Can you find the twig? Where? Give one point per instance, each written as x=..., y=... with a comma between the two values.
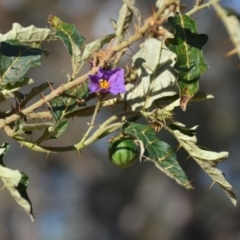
x=197, y=8
x=91, y=124
x=75, y=147
x=8, y=130
x=103, y=129
x=39, y=115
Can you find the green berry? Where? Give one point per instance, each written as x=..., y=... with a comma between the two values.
x=123, y=152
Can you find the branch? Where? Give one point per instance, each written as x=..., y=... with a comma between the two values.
x=197, y=8
x=104, y=128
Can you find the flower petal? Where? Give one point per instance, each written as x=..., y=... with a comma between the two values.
x=115, y=79
x=106, y=74
x=116, y=82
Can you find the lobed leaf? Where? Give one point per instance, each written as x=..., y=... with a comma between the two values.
x=15, y=61
x=34, y=92
x=11, y=89
x=54, y=131
x=68, y=101
x=136, y=12
x=71, y=38
x=16, y=183
x=124, y=20
x=206, y=159
x=83, y=112
x=187, y=45
x=28, y=35
x=94, y=46
x=154, y=65
x=158, y=152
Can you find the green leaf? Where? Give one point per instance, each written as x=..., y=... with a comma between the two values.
x=123, y=22
x=206, y=159
x=16, y=60
x=68, y=101
x=34, y=92
x=83, y=112
x=158, y=152
x=94, y=46
x=26, y=128
x=11, y=89
x=16, y=182
x=154, y=65
x=187, y=45
x=136, y=12
x=71, y=38
x=28, y=35
x=113, y=23
x=54, y=131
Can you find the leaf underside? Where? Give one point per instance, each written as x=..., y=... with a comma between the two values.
x=207, y=160
x=16, y=182
x=154, y=65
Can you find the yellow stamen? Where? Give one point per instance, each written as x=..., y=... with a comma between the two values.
x=104, y=83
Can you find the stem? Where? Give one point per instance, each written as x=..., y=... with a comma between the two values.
x=117, y=116
x=91, y=124
x=74, y=147
x=102, y=130
x=197, y=8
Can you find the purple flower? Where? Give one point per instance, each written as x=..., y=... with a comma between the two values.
x=107, y=81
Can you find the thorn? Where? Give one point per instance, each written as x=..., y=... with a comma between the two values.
x=82, y=132
x=50, y=85
x=188, y=183
x=49, y=105
x=42, y=95
x=179, y=147
x=153, y=9
x=18, y=106
x=79, y=152
x=211, y=185
x=47, y=155
x=12, y=107
x=2, y=187
x=128, y=33
x=131, y=49
x=230, y=53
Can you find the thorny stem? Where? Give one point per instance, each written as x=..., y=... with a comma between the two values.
x=62, y=88
x=106, y=127
x=197, y=8
x=92, y=123
x=119, y=116
x=78, y=146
